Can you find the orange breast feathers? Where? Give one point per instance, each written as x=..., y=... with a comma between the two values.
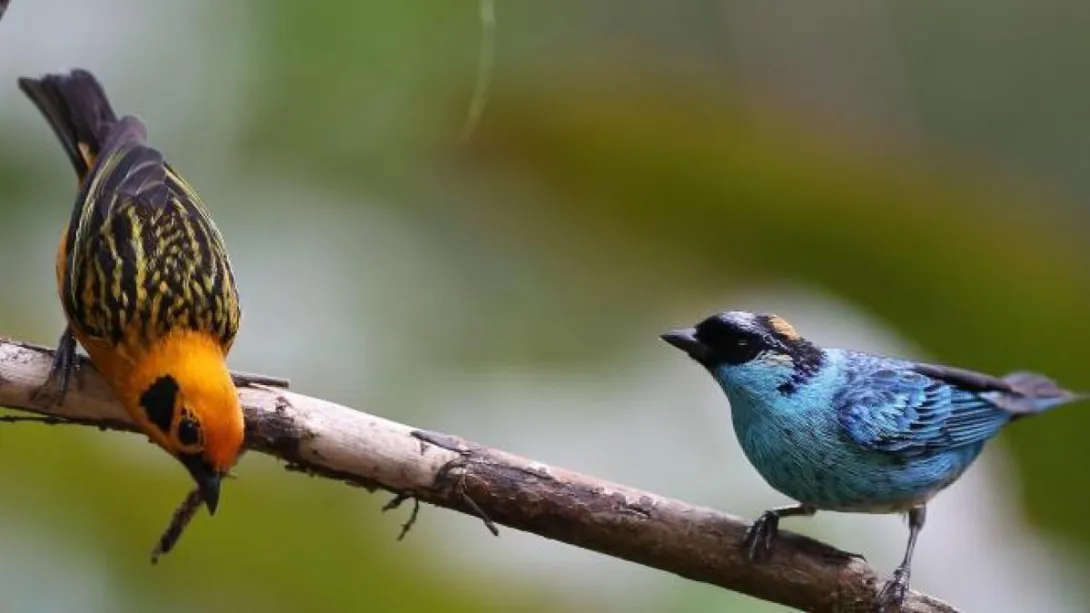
x=182, y=378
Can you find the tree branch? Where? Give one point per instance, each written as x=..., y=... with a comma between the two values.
x=332, y=441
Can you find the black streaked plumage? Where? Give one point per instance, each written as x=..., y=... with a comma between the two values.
x=142, y=255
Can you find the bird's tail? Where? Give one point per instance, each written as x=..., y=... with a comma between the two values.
x=1034, y=393
x=77, y=109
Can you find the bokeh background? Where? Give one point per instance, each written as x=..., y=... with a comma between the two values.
x=902, y=177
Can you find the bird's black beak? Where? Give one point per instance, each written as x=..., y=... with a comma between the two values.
x=208, y=480
x=685, y=340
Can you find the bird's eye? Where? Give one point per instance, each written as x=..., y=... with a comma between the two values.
x=740, y=351
x=189, y=432
x=728, y=343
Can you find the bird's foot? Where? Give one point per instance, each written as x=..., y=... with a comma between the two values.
x=761, y=535
x=51, y=393
x=892, y=596
x=65, y=367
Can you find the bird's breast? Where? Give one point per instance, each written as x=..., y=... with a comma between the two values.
x=801, y=452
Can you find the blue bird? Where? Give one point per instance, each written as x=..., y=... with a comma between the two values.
x=843, y=430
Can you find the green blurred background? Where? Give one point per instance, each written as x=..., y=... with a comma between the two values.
x=900, y=177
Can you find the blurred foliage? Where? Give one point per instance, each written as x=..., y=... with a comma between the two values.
x=628, y=167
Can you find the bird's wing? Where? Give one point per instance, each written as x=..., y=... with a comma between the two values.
x=916, y=409
x=123, y=167
x=144, y=250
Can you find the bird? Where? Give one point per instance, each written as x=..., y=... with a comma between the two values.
x=145, y=284
x=849, y=431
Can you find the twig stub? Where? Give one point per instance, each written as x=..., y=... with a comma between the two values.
x=178, y=522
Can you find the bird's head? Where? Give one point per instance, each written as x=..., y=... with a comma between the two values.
x=190, y=408
x=747, y=350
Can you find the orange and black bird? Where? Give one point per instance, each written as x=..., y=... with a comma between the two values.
x=145, y=283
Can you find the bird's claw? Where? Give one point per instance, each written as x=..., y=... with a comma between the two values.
x=62, y=371
x=892, y=596
x=761, y=535
x=51, y=393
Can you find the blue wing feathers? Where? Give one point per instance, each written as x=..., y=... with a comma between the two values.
x=892, y=406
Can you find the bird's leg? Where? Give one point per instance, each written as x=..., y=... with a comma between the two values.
x=52, y=392
x=762, y=533
x=892, y=595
